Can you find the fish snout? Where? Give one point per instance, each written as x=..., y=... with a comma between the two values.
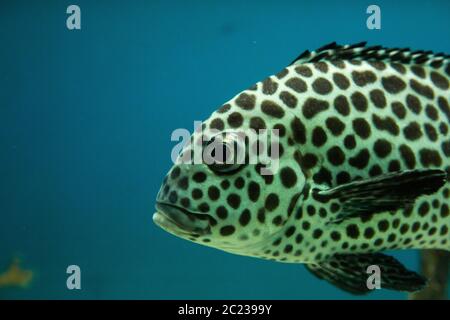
x=179, y=221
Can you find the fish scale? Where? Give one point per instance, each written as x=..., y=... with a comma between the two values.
x=364, y=155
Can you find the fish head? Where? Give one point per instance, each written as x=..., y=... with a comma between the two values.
x=237, y=181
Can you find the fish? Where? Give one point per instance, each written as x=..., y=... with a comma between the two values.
x=362, y=165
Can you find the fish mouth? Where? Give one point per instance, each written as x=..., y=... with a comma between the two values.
x=180, y=221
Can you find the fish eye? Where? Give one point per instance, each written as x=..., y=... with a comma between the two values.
x=225, y=153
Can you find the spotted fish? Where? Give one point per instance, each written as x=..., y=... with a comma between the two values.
x=364, y=152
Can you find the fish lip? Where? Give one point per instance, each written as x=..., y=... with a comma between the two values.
x=178, y=220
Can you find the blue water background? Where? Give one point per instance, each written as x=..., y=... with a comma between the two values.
x=85, y=124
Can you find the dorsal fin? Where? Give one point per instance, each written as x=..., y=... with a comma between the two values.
x=359, y=51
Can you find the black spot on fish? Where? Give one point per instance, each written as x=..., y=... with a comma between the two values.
x=363, y=78
x=288, y=99
x=430, y=131
x=352, y=231
x=423, y=90
x=322, y=86
x=379, y=65
x=444, y=210
x=359, y=101
x=224, y=108
x=290, y=231
x=199, y=177
x=412, y=131
x=203, y=207
x=298, y=130
x=338, y=64
x=342, y=178
x=335, y=156
x=446, y=148
x=185, y=202
x=335, y=125
x=350, y=142
x=447, y=70
x=288, y=177
x=361, y=160
x=272, y=109
x=430, y=157
x=297, y=84
x=257, y=123
x=304, y=71
x=227, y=230
x=394, y=166
x=424, y=208
x=288, y=248
x=393, y=84
x=443, y=128
x=234, y=200
x=444, y=107
x=306, y=225
x=253, y=191
x=407, y=156
x=341, y=105
x=317, y=233
x=398, y=109
x=309, y=160
x=335, y=236
x=321, y=66
x=387, y=123
x=222, y=212
x=261, y=216
x=225, y=184
x=239, y=183
x=361, y=127
x=246, y=101
x=369, y=233
x=183, y=183
x=341, y=81
x=272, y=202
x=217, y=124
x=197, y=194
x=173, y=197
x=418, y=71
x=282, y=73
x=175, y=173
x=319, y=137
x=431, y=112
x=378, y=99
x=311, y=210
x=269, y=86
x=323, y=176
x=439, y=80
x=278, y=220
x=383, y=225
x=235, y=119
x=398, y=67
x=382, y=148
x=375, y=171
x=413, y=103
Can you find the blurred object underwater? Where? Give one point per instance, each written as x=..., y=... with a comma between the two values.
x=16, y=276
x=434, y=266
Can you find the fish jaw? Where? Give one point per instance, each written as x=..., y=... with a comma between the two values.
x=179, y=221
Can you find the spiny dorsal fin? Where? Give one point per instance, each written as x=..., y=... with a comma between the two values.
x=359, y=51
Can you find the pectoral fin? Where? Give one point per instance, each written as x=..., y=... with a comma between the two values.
x=391, y=191
x=350, y=273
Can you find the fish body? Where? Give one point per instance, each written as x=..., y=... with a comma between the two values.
x=364, y=148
